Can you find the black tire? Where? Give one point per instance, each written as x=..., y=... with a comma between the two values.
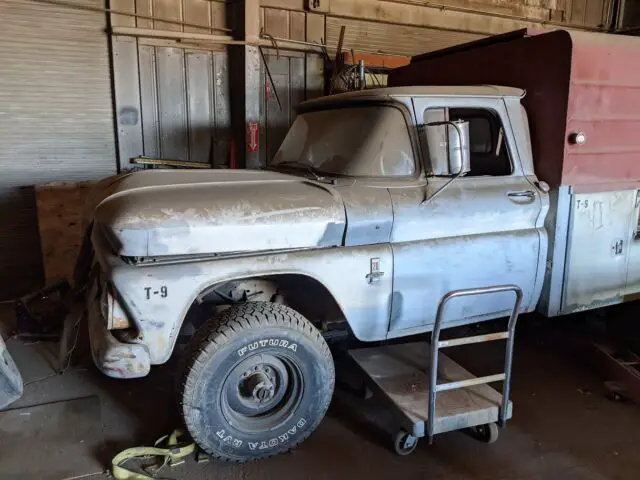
x=258, y=381
x=487, y=433
x=404, y=443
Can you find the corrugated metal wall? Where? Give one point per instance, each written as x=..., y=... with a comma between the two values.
x=56, y=120
x=171, y=103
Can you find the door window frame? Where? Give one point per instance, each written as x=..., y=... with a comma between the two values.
x=495, y=105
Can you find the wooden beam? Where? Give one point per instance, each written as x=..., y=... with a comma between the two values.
x=251, y=20
x=152, y=33
x=248, y=115
x=202, y=39
x=179, y=43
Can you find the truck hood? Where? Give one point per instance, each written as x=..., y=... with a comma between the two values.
x=184, y=212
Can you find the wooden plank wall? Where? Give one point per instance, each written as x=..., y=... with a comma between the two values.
x=395, y=27
x=303, y=26
x=213, y=13
x=578, y=12
x=297, y=76
x=471, y=16
x=208, y=13
x=383, y=38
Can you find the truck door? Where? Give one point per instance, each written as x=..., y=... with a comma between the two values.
x=481, y=229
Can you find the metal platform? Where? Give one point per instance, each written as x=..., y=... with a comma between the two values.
x=400, y=375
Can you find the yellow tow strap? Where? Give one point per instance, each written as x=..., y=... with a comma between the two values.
x=172, y=452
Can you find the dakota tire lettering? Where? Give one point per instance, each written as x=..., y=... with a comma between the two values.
x=271, y=443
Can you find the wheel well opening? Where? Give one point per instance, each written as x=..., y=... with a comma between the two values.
x=302, y=293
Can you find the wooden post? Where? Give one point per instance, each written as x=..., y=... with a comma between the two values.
x=244, y=70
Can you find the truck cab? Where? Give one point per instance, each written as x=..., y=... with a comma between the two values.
x=444, y=231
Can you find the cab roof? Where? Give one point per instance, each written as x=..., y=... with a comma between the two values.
x=419, y=91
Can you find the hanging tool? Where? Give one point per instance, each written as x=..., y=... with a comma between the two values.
x=336, y=67
x=339, y=49
x=325, y=52
x=273, y=85
x=273, y=42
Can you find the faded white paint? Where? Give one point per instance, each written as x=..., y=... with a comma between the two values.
x=219, y=211
x=598, y=249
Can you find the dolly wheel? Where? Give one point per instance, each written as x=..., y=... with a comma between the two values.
x=404, y=443
x=486, y=433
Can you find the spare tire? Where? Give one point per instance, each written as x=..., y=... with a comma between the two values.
x=257, y=382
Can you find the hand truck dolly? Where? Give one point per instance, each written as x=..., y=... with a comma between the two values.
x=406, y=377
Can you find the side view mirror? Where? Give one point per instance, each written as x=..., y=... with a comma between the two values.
x=448, y=147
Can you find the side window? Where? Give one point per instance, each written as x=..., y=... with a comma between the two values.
x=487, y=143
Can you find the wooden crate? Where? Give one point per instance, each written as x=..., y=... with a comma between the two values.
x=63, y=216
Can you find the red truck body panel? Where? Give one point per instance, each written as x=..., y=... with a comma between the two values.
x=575, y=81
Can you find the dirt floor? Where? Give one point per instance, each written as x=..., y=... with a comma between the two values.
x=563, y=424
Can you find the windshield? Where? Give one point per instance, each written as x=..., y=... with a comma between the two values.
x=370, y=141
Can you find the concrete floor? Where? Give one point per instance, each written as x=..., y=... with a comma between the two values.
x=563, y=426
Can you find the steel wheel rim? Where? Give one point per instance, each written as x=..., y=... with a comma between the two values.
x=261, y=392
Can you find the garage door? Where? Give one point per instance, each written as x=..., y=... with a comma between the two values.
x=56, y=120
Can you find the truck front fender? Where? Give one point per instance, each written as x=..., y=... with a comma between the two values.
x=158, y=296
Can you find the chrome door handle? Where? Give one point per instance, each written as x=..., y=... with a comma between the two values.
x=522, y=194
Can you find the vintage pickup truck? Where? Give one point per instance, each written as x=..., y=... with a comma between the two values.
x=377, y=204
